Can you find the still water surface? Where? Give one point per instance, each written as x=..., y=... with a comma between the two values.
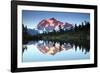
x=37, y=51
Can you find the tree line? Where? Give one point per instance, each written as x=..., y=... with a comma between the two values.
x=83, y=29
x=84, y=26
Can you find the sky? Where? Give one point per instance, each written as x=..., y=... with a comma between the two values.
x=31, y=18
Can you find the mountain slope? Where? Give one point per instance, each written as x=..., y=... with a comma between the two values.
x=53, y=24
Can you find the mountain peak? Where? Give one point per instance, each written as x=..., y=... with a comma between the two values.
x=52, y=19
x=51, y=24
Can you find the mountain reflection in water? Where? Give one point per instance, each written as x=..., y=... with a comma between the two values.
x=53, y=50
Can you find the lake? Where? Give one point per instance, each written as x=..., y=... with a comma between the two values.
x=38, y=51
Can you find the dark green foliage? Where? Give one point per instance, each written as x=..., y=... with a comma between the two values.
x=60, y=29
x=26, y=37
x=76, y=28
x=84, y=26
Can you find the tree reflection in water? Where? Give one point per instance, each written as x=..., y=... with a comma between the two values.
x=54, y=47
x=24, y=47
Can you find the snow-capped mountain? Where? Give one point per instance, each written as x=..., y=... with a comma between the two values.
x=53, y=24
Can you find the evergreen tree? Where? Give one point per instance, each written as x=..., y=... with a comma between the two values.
x=75, y=27
x=79, y=27
x=54, y=31
x=60, y=29
x=82, y=26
